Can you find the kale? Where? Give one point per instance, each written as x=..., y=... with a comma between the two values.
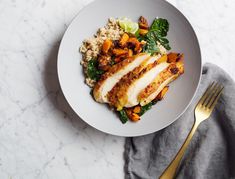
x=145, y=108
x=92, y=70
x=123, y=116
x=151, y=45
x=157, y=33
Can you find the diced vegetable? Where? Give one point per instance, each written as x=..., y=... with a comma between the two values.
x=135, y=117
x=174, y=57
x=143, y=23
x=137, y=109
x=134, y=44
x=132, y=116
x=106, y=46
x=118, y=52
x=124, y=40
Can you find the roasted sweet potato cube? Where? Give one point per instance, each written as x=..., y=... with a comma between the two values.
x=143, y=31
x=135, y=117
x=143, y=23
x=124, y=40
x=134, y=44
x=162, y=93
x=137, y=109
x=174, y=57
x=118, y=52
x=106, y=46
x=132, y=116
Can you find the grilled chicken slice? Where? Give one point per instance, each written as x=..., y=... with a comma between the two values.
x=173, y=71
x=142, y=82
x=125, y=92
x=115, y=73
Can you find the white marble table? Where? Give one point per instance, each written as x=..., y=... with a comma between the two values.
x=40, y=136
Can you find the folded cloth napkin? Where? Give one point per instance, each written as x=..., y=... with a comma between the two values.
x=211, y=153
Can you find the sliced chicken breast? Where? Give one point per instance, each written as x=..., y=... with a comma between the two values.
x=173, y=71
x=125, y=92
x=110, y=78
x=142, y=82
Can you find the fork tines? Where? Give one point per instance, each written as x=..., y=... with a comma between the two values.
x=211, y=96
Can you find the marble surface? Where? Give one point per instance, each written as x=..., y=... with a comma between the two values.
x=40, y=136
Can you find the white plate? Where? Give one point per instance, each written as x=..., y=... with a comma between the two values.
x=182, y=39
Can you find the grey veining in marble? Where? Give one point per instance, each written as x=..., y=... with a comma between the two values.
x=40, y=136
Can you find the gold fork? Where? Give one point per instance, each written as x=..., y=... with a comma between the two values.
x=203, y=110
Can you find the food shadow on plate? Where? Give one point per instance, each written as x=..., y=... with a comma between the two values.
x=55, y=94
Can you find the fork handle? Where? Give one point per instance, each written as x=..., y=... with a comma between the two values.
x=170, y=171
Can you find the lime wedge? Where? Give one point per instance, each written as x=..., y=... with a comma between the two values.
x=128, y=26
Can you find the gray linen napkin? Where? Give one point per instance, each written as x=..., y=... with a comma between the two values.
x=211, y=153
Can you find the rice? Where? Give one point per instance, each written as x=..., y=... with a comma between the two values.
x=91, y=47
